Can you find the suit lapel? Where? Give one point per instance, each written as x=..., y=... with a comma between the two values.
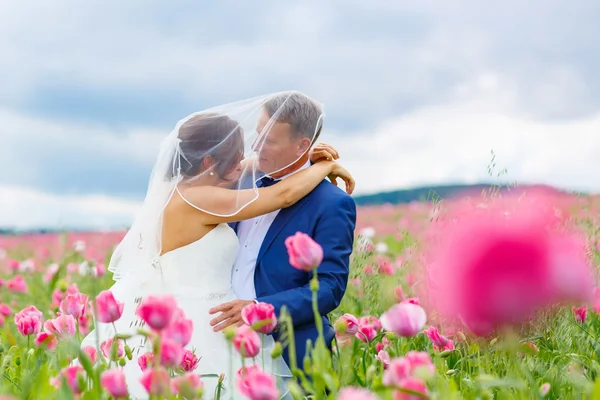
x=234, y=226
x=246, y=183
x=285, y=214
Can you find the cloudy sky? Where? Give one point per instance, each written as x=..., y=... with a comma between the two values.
x=415, y=92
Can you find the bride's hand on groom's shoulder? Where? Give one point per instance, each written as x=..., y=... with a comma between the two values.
x=230, y=314
x=323, y=152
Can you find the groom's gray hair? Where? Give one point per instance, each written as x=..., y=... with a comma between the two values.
x=303, y=114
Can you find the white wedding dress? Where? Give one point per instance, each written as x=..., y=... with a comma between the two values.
x=198, y=275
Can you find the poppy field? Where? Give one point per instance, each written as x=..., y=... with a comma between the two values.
x=485, y=296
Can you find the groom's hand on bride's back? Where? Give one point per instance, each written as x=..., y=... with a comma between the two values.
x=230, y=314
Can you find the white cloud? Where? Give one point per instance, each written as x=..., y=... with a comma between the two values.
x=389, y=55
x=64, y=156
x=452, y=143
x=22, y=208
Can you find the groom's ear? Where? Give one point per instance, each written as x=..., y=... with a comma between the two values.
x=304, y=146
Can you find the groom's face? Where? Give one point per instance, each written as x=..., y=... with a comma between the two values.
x=277, y=148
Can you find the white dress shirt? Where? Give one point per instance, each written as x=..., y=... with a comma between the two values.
x=251, y=234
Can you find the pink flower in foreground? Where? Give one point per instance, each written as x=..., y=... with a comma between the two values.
x=189, y=386
x=385, y=268
x=404, y=319
x=440, y=342
x=17, y=285
x=145, y=360
x=243, y=371
x=46, y=340
x=29, y=325
x=171, y=353
x=305, y=254
x=580, y=314
x=91, y=352
x=411, y=300
x=100, y=270
x=545, y=389
x=71, y=374
x=106, y=349
x=384, y=343
x=63, y=326
x=366, y=333
x=347, y=324
x=499, y=262
x=189, y=362
x=257, y=385
x=13, y=264
x=84, y=324
x=414, y=385
x=355, y=393
x=74, y=304
x=27, y=312
x=58, y=295
x=384, y=357
x=156, y=381
x=246, y=341
x=113, y=381
x=368, y=270
x=370, y=320
x=157, y=311
x=108, y=309
x=5, y=310
x=179, y=330
x=262, y=314
x=412, y=363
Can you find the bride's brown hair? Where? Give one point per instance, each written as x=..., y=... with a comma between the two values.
x=209, y=134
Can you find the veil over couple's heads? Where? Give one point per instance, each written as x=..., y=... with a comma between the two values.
x=230, y=146
x=272, y=133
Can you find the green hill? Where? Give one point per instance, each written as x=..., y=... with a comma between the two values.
x=424, y=193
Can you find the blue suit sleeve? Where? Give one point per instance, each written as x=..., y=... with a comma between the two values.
x=335, y=233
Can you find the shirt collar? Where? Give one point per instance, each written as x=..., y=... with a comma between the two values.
x=306, y=165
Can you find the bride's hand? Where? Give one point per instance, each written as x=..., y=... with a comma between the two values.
x=340, y=172
x=323, y=152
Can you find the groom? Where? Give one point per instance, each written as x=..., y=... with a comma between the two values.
x=262, y=272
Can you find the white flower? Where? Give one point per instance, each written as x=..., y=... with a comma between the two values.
x=381, y=248
x=3, y=253
x=86, y=269
x=79, y=246
x=367, y=232
x=27, y=266
x=52, y=269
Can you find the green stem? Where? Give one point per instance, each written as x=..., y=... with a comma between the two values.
x=315, y=304
x=291, y=345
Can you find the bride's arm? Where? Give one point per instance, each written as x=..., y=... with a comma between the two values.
x=319, y=152
x=284, y=194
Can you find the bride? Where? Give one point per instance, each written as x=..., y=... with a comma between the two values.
x=180, y=244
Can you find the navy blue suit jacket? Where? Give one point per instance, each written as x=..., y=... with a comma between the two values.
x=328, y=215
